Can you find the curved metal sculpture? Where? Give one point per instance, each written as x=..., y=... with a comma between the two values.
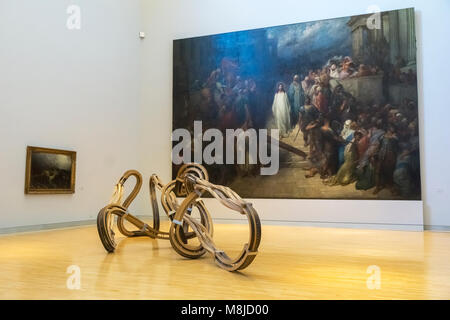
x=191, y=182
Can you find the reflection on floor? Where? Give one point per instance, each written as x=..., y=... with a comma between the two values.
x=293, y=263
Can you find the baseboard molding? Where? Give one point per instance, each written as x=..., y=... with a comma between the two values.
x=319, y=224
x=437, y=228
x=47, y=226
x=59, y=225
x=322, y=224
x=374, y=214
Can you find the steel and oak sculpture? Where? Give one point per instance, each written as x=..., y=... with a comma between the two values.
x=191, y=183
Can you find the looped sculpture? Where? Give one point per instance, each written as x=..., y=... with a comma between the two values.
x=192, y=183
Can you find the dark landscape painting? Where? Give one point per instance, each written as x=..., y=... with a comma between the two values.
x=342, y=93
x=50, y=171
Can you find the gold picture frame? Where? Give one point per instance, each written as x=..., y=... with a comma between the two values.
x=50, y=171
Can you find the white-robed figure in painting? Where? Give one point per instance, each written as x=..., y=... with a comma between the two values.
x=281, y=110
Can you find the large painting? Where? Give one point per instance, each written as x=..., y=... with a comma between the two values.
x=49, y=171
x=341, y=92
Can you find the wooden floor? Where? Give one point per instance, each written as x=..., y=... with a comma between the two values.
x=293, y=263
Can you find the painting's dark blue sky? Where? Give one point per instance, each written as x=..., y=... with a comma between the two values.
x=314, y=39
x=304, y=45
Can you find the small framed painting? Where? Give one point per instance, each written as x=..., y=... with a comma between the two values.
x=50, y=171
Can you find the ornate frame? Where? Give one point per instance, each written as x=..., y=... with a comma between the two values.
x=30, y=151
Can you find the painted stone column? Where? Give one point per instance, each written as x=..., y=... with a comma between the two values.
x=358, y=26
x=411, y=44
x=393, y=36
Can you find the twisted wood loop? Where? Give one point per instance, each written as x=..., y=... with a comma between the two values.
x=231, y=200
x=117, y=213
x=191, y=182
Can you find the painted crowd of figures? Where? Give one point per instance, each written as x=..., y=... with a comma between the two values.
x=376, y=146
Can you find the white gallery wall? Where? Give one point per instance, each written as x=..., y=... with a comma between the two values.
x=106, y=94
x=75, y=90
x=165, y=20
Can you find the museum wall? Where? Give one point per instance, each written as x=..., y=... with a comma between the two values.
x=103, y=92
x=165, y=20
x=76, y=90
